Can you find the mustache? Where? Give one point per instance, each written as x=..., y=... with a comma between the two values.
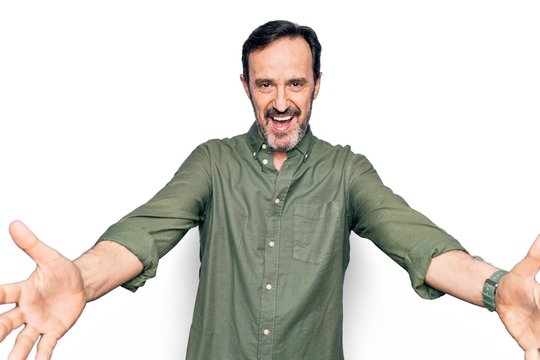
x=288, y=112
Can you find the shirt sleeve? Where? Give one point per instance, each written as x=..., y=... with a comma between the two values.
x=405, y=235
x=154, y=228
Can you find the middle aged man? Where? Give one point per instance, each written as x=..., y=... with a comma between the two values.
x=275, y=208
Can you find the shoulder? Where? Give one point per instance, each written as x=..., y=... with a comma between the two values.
x=236, y=146
x=342, y=159
x=337, y=151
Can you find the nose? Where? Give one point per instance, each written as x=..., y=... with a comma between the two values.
x=281, y=102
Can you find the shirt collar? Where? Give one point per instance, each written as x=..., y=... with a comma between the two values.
x=257, y=143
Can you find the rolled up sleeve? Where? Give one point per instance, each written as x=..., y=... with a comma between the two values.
x=404, y=234
x=154, y=228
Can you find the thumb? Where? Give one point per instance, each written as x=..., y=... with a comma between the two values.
x=530, y=265
x=25, y=239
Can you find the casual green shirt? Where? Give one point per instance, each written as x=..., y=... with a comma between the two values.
x=274, y=246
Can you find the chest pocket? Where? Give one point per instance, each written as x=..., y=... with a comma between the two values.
x=318, y=230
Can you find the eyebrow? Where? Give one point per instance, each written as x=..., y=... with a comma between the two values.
x=300, y=80
x=259, y=82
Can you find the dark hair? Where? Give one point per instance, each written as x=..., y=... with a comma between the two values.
x=274, y=30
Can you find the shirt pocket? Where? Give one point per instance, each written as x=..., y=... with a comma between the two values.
x=317, y=229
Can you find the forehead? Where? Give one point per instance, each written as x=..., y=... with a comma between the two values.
x=285, y=57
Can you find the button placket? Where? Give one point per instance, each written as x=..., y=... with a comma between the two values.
x=270, y=282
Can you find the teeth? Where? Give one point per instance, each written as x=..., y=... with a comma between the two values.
x=285, y=118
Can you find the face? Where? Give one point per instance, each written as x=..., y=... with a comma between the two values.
x=281, y=89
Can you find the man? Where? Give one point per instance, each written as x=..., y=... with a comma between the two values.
x=275, y=208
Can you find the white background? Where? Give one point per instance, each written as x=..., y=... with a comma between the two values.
x=101, y=101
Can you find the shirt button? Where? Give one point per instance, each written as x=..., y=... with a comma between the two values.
x=254, y=154
x=271, y=244
x=268, y=286
x=264, y=146
x=266, y=332
x=265, y=161
x=276, y=201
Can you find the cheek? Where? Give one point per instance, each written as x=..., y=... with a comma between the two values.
x=260, y=105
x=302, y=99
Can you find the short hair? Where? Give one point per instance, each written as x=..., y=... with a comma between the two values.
x=277, y=29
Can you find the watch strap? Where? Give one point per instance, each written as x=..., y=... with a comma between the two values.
x=490, y=288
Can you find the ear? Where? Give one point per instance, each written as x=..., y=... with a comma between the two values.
x=317, y=86
x=246, y=85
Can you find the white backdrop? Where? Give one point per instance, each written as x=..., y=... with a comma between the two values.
x=101, y=101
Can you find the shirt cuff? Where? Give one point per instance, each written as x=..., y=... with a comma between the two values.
x=141, y=244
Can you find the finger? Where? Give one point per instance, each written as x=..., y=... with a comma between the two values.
x=30, y=244
x=24, y=343
x=10, y=293
x=9, y=321
x=532, y=354
x=45, y=347
x=530, y=265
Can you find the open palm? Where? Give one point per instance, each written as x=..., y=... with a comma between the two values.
x=48, y=303
x=518, y=303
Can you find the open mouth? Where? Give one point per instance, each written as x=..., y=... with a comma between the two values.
x=281, y=123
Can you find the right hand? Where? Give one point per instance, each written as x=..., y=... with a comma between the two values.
x=48, y=303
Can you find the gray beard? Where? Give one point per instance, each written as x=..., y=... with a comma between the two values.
x=294, y=141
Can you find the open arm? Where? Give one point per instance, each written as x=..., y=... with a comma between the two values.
x=51, y=300
x=517, y=298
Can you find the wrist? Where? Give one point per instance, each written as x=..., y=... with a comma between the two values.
x=82, y=265
x=489, y=291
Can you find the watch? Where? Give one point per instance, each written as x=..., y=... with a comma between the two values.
x=490, y=288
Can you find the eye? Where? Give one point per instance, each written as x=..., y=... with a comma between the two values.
x=297, y=85
x=264, y=85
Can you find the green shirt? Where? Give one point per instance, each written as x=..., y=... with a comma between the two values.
x=274, y=246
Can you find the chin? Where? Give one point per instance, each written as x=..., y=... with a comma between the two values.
x=283, y=143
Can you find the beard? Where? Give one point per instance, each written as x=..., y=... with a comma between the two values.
x=285, y=140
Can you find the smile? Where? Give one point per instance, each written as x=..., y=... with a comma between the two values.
x=282, y=118
x=281, y=124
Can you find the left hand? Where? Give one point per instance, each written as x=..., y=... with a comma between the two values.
x=518, y=302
